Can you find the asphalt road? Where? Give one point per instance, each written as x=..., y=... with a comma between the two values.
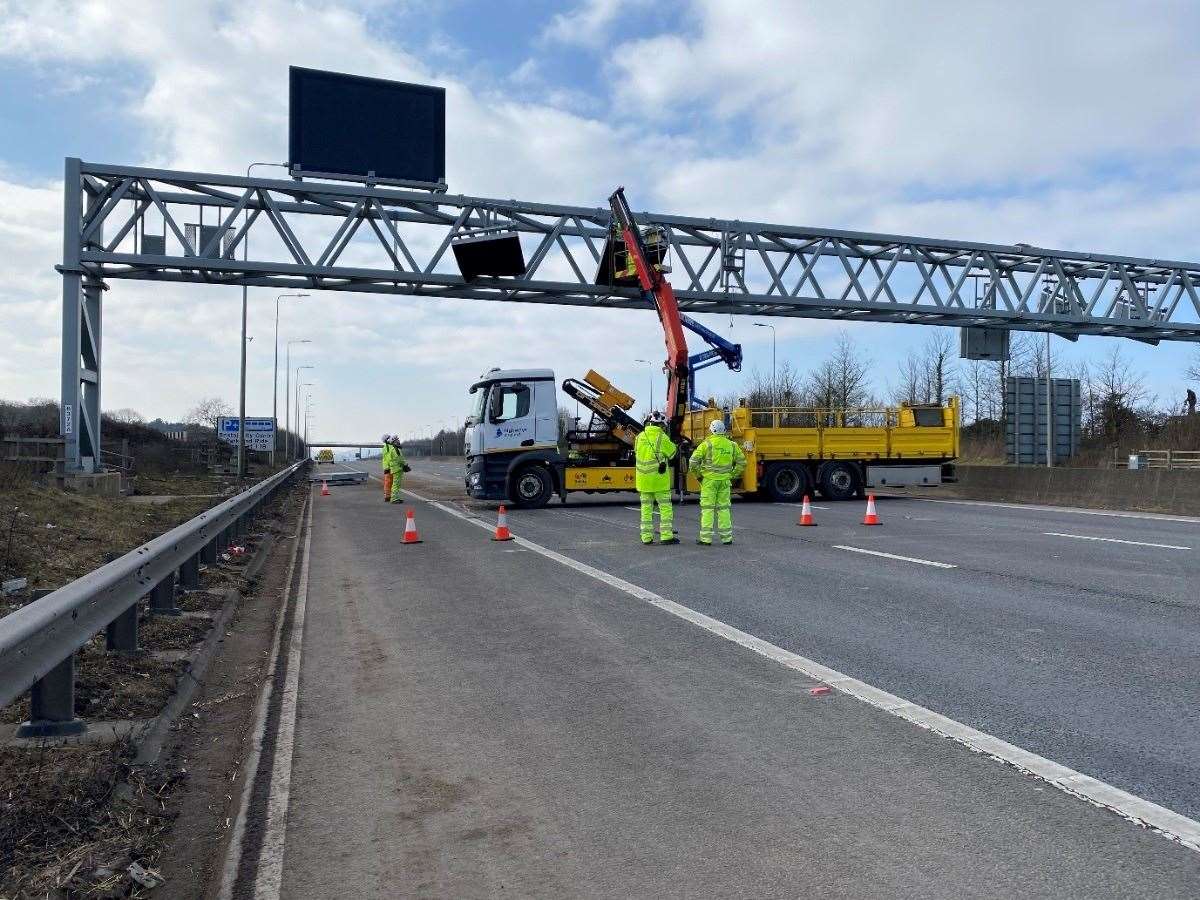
x=1078, y=648
x=476, y=719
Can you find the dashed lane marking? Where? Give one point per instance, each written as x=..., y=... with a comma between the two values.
x=1089, y=537
x=1142, y=812
x=911, y=559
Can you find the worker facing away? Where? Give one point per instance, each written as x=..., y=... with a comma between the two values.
x=398, y=467
x=654, y=451
x=387, y=472
x=716, y=463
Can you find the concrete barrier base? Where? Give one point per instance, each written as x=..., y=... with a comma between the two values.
x=1149, y=490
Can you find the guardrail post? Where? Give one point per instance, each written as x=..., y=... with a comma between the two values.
x=208, y=553
x=52, y=704
x=189, y=573
x=121, y=635
x=162, y=598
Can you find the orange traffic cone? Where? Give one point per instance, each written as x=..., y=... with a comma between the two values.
x=502, y=532
x=324, y=489
x=410, y=530
x=806, y=513
x=871, y=518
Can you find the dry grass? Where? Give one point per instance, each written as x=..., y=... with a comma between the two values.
x=73, y=818
x=52, y=537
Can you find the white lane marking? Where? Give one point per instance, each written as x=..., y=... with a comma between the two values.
x=234, y=852
x=270, y=858
x=810, y=506
x=1154, y=517
x=911, y=559
x=1137, y=810
x=1088, y=537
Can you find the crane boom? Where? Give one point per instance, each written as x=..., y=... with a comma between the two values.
x=657, y=290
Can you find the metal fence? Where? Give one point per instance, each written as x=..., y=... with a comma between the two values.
x=44, y=453
x=38, y=642
x=1168, y=459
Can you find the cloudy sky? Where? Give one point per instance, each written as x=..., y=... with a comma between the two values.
x=1063, y=125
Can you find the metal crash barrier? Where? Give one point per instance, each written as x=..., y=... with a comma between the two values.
x=38, y=642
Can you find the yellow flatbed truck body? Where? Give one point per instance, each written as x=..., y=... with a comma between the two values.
x=810, y=443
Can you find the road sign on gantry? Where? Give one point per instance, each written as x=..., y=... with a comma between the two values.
x=366, y=129
x=260, y=433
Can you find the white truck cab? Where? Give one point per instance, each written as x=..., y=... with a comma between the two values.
x=512, y=437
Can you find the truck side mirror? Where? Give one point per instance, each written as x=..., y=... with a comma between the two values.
x=496, y=404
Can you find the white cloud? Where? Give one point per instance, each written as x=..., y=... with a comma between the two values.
x=588, y=24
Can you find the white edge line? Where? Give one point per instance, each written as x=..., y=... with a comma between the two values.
x=269, y=880
x=911, y=559
x=1171, y=824
x=1088, y=537
x=250, y=766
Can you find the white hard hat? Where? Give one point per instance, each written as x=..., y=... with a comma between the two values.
x=656, y=418
x=717, y=427
x=386, y=438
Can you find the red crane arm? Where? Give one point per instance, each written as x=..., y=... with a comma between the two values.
x=662, y=295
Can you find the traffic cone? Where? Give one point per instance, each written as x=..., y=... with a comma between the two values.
x=871, y=518
x=806, y=513
x=502, y=532
x=324, y=489
x=410, y=530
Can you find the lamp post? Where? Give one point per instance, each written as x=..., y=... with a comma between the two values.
x=241, y=450
x=774, y=392
x=275, y=371
x=650, y=378
x=297, y=400
x=287, y=391
x=307, y=397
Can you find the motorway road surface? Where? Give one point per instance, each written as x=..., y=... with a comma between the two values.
x=482, y=719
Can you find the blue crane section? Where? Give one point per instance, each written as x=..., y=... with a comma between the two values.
x=721, y=351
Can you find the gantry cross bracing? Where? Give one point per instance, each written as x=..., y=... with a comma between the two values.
x=173, y=226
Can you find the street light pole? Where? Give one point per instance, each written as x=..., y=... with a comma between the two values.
x=774, y=391
x=275, y=374
x=650, y=378
x=297, y=401
x=287, y=396
x=241, y=450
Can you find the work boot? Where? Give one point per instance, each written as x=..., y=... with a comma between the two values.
x=649, y=543
x=670, y=540
x=704, y=543
x=728, y=543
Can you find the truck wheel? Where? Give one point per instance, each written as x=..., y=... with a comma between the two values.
x=839, y=481
x=786, y=483
x=532, y=488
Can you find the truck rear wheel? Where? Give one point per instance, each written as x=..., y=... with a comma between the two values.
x=786, y=482
x=532, y=488
x=839, y=481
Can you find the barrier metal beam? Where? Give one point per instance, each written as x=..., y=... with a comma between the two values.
x=373, y=239
x=38, y=641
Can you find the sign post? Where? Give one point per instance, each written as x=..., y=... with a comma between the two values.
x=260, y=433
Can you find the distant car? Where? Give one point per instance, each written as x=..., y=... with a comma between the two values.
x=325, y=456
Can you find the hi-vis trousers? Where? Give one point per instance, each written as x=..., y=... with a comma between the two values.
x=666, y=515
x=714, y=498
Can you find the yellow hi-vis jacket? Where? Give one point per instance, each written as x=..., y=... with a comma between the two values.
x=387, y=457
x=396, y=461
x=653, y=450
x=718, y=459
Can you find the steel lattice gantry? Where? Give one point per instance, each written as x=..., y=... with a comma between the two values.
x=161, y=225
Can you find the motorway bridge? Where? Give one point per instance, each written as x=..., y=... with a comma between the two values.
x=973, y=700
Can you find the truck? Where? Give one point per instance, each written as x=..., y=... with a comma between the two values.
x=518, y=451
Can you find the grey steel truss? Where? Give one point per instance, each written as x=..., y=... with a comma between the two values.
x=133, y=223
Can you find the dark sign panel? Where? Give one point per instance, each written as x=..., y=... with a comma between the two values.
x=355, y=126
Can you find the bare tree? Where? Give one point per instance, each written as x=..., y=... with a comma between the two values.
x=1193, y=370
x=208, y=410
x=843, y=379
x=126, y=415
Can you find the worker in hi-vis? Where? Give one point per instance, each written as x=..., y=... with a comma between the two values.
x=387, y=470
x=398, y=468
x=716, y=463
x=654, y=451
